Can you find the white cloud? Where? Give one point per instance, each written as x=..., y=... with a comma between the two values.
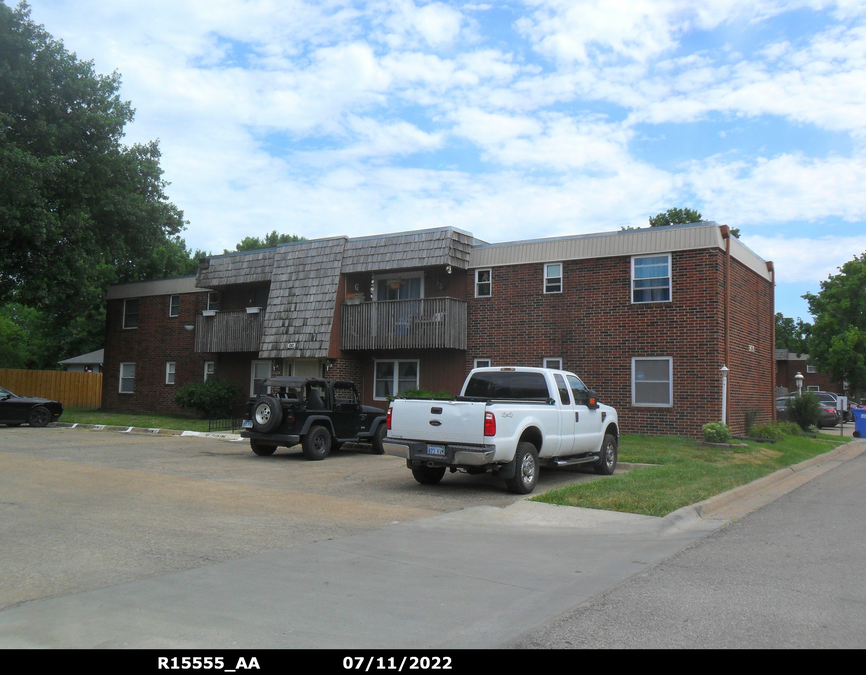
x=806, y=259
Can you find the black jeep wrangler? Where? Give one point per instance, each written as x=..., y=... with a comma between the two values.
x=319, y=414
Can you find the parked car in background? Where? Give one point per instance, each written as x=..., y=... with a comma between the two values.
x=829, y=417
x=831, y=398
x=37, y=412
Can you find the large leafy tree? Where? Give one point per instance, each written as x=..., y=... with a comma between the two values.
x=79, y=210
x=678, y=216
x=838, y=341
x=792, y=335
x=268, y=241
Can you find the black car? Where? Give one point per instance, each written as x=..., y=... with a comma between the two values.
x=319, y=414
x=37, y=412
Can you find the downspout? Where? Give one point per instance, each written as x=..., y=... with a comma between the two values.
x=726, y=235
x=772, y=270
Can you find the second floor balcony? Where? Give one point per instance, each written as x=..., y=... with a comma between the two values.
x=232, y=331
x=404, y=324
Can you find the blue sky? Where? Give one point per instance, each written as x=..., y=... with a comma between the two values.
x=525, y=118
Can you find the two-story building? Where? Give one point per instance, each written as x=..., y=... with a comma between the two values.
x=646, y=317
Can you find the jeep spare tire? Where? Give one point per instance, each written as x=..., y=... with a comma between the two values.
x=267, y=414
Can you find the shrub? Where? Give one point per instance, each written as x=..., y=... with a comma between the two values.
x=751, y=416
x=422, y=393
x=775, y=430
x=212, y=399
x=716, y=432
x=804, y=410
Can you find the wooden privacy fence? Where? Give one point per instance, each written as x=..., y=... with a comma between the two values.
x=73, y=390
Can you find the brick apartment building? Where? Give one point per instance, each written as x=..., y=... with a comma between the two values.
x=646, y=317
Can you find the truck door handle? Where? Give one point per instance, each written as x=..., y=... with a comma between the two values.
x=576, y=416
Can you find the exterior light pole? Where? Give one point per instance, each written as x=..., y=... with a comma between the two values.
x=798, y=378
x=724, y=370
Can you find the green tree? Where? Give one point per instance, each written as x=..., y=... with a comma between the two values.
x=677, y=216
x=78, y=209
x=838, y=341
x=268, y=241
x=792, y=335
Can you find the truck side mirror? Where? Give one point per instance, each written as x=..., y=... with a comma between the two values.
x=592, y=400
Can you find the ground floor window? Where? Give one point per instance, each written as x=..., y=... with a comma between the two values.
x=170, y=368
x=259, y=372
x=555, y=363
x=394, y=377
x=483, y=363
x=209, y=369
x=652, y=381
x=127, y=378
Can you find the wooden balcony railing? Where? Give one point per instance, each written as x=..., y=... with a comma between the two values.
x=404, y=324
x=234, y=331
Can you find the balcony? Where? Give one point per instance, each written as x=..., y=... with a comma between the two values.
x=234, y=331
x=404, y=324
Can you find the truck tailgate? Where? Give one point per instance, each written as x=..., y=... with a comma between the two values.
x=438, y=421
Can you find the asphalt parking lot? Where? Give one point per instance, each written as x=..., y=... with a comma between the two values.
x=86, y=509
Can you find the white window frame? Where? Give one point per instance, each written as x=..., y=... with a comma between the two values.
x=170, y=371
x=137, y=314
x=670, y=381
x=396, y=380
x=488, y=283
x=253, y=391
x=813, y=387
x=122, y=378
x=669, y=277
x=482, y=363
x=209, y=370
x=173, y=309
x=552, y=362
x=811, y=369
x=553, y=284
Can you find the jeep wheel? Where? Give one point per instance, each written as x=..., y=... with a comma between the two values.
x=267, y=414
x=261, y=449
x=526, y=470
x=317, y=443
x=428, y=475
x=609, y=456
x=378, y=437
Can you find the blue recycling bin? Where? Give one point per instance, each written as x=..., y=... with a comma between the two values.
x=859, y=422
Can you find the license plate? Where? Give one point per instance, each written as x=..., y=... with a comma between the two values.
x=247, y=424
x=436, y=450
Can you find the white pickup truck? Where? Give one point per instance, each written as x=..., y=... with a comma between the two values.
x=509, y=421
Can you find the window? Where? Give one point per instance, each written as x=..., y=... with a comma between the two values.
x=578, y=390
x=483, y=288
x=400, y=287
x=482, y=363
x=208, y=370
x=556, y=364
x=259, y=372
x=813, y=387
x=127, y=378
x=174, y=305
x=651, y=381
x=394, y=377
x=651, y=278
x=213, y=301
x=130, y=313
x=169, y=372
x=563, y=390
x=553, y=278
x=811, y=369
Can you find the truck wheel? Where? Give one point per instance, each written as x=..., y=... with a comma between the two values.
x=526, y=473
x=609, y=456
x=261, y=449
x=378, y=437
x=267, y=414
x=317, y=443
x=428, y=475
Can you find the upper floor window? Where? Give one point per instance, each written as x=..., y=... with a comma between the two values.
x=483, y=284
x=213, y=301
x=400, y=286
x=130, y=313
x=553, y=278
x=811, y=369
x=651, y=278
x=174, y=305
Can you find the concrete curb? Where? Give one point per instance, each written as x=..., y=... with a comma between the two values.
x=225, y=436
x=744, y=499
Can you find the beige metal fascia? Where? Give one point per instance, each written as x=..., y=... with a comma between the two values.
x=140, y=289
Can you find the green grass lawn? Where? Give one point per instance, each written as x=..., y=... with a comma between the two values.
x=684, y=472
x=144, y=420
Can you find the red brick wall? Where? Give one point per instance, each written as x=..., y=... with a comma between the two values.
x=159, y=338
x=596, y=330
